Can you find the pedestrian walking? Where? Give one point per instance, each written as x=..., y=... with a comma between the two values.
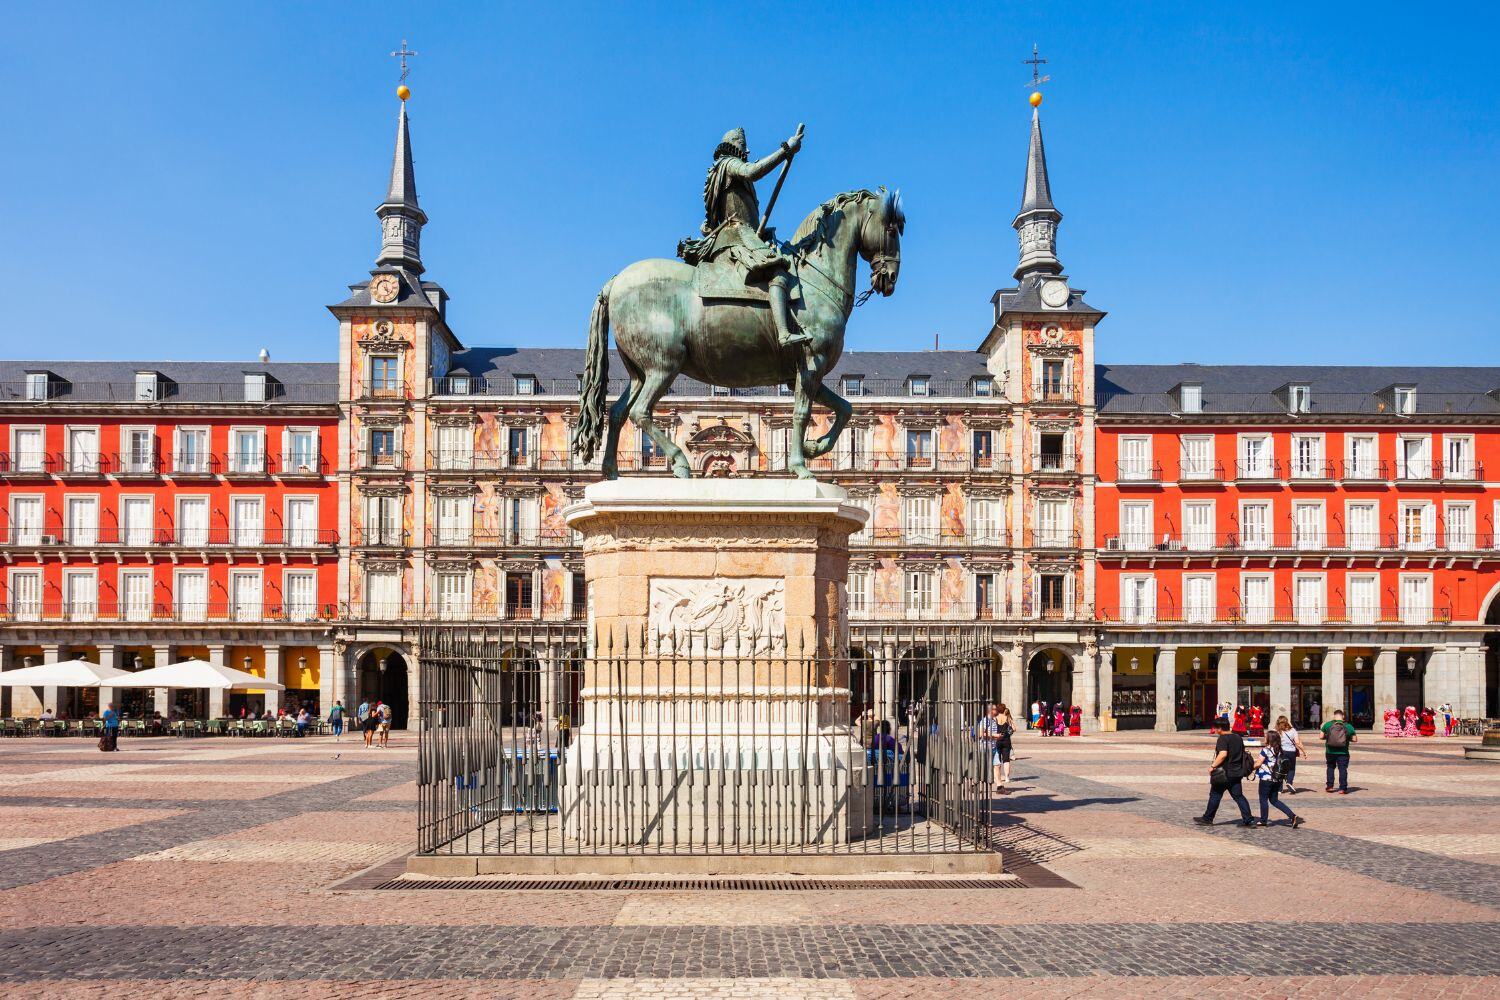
x=367, y=723
x=1005, y=745
x=1291, y=750
x=1337, y=735
x=383, y=714
x=989, y=735
x=111, y=740
x=1227, y=770
x=1270, y=772
x=336, y=721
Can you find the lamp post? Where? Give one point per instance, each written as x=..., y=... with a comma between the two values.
x=1411, y=665
x=1359, y=663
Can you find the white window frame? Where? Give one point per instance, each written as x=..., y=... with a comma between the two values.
x=526, y=385
x=1358, y=610
x=245, y=535
x=528, y=459
x=1194, y=467
x=925, y=455
x=454, y=594
x=986, y=520
x=82, y=535
x=917, y=594
x=919, y=385
x=1362, y=539
x=1194, y=611
x=255, y=464
x=204, y=462
x=457, y=453
x=1195, y=537
x=1309, y=459
x=1426, y=540
x=1191, y=397
x=1263, y=468
x=984, y=386
x=147, y=387
x=1135, y=467
x=1419, y=468
x=1059, y=532
x=1264, y=537
x=859, y=590
x=87, y=463
x=256, y=386
x=247, y=611
x=292, y=608
x=1467, y=470
x=85, y=610
x=25, y=607
x=997, y=593
x=38, y=386
x=1415, y=609
x=1138, y=536
x=18, y=533
x=1317, y=612
x=384, y=609
x=380, y=528
x=134, y=611
x=1138, y=598
x=453, y=520
x=299, y=536
x=1299, y=398
x=289, y=456
x=200, y=536
x=182, y=609
x=137, y=535
x=919, y=518
x=1315, y=534
x=1256, y=612
x=28, y=459
x=1461, y=538
x=1405, y=399
x=1354, y=468
x=130, y=463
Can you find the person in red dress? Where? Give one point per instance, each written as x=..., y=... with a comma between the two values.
x=1075, y=721
x=1427, y=726
x=1257, y=721
x=1240, y=722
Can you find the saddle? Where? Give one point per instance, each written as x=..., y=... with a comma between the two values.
x=723, y=280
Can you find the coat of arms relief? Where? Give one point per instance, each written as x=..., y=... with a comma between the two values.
x=744, y=616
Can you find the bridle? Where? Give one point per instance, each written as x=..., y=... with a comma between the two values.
x=880, y=263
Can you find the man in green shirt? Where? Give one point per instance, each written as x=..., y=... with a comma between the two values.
x=1337, y=735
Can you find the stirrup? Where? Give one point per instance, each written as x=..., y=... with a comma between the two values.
x=795, y=338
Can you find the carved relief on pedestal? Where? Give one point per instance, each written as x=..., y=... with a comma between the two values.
x=745, y=616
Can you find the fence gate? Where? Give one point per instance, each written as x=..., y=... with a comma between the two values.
x=622, y=748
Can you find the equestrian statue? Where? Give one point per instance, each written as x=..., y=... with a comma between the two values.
x=741, y=308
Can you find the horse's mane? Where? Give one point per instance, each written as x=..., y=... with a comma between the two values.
x=814, y=221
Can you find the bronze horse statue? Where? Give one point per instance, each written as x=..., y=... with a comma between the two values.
x=664, y=328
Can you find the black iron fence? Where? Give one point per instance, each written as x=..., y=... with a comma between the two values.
x=631, y=748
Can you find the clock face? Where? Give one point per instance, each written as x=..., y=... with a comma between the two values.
x=1055, y=293
x=383, y=288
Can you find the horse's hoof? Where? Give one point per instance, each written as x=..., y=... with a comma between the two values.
x=802, y=472
x=682, y=472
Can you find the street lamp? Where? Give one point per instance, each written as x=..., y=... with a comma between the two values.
x=1359, y=663
x=1411, y=664
x=1134, y=663
x=247, y=664
x=1197, y=664
x=1307, y=663
x=138, y=663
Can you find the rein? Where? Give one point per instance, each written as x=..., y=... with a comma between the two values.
x=804, y=255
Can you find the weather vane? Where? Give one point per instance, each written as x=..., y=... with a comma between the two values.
x=1035, y=62
x=404, y=53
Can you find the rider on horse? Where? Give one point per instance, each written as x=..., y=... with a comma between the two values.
x=732, y=213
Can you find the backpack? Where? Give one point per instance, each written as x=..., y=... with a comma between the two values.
x=1338, y=735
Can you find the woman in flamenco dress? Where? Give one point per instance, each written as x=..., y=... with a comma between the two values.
x=1075, y=721
x=1059, y=720
x=1240, y=721
x=1409, y=722
x=1427, y=726
x=1257, y=721
x=1392, y=723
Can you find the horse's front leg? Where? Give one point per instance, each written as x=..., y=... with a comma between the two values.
x=841, y=414
x=796, y=459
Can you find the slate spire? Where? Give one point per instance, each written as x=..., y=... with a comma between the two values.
x=401, y=218
x=1036, y=223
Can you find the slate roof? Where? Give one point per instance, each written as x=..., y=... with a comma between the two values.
x=186, y=381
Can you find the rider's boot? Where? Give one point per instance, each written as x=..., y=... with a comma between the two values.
x=781, y=313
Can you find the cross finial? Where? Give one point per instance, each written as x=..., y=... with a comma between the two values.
x=1035, y=62
x=405, y=53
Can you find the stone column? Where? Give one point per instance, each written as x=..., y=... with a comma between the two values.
x=1385, y=684
x=1086, y=687
x=1229, y=676
x=1166, y=690
x=1013, y=682
x=51, y=653
x=5, y=693
x=413, y=692
x=1440, y=682
x=547, y=685
x=109, y=656
x=274, y=674
x=885, y=684
x=329, y=690
x=1470, y=701
x=1281, y=684
x=1106, y=666
x=1333, y=682
x=160, y=657
x=216, y=656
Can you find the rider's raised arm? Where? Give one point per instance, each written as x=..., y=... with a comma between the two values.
x=755, y=171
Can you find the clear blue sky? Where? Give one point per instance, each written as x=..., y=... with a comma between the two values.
x=1309, y=183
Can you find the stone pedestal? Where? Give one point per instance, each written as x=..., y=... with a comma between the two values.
x=716, y=692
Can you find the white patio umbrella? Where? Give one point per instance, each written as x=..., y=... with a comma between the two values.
x=197, y=674
x=63, y=673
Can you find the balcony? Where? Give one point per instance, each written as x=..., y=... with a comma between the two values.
x=27, y=464
x=926, y=540
x=1276, y=543
x=1461, y=473
x=1199, y=471
x=1137, y=471
x=461, y=611
x=382, y=388
x=379, y=460
x=461, y=386
x=1257, y=470
x=546, y=538
x=1054, y=392
x=1364, y=471
x=1051, y=538
x=1278, y=616
x=247, y=464
x=1054, y=463
x=55, y=536
x=165, y=612
x=1319, y=473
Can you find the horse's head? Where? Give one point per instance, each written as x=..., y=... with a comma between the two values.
x=880, y=239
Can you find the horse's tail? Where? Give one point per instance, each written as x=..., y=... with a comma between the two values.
x=594, y=395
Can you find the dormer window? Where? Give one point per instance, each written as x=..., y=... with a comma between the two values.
x=458, y=384
x=147, y=387
x=1406, y=399
x=257, y=388
x=919, y=385
x=984, y=386
x=1192, y=397
x=525, y=385
x=1299, y=398
x=37, y=386
x=854, y=385
x=718, y=390
x=580, y=384
x=783, y=389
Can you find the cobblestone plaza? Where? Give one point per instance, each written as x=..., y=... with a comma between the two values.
x=237, y=868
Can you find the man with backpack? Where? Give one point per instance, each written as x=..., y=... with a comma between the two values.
x=1230, y=766
x=1337, y=735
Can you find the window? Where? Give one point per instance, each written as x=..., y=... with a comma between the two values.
x=1138, y=599
x=244, y=596
x=1054, y=383
x=1052, y=522
x=1255, y=456
x=1307, y=524
x=1135, y=525
x=521, y=521
x=517, y=447
x=919, y=385
x=984, y=595
x=983, y=449
x=247, y=520
x=26, y=454
x=1255, y=524
x=1362, y=519
x=83, y=449
x=454, y=520
x=383, y=521
x=300, y=589
x=1363, y=595
x=190, y=592
x=1255, y=598
x=1192, y=397
x=37, y=386
x=1198, y=524
x=1053, y=453
x=26, y=594
x=458, y=385
x=192, y=451
x=854, y=385
x=382, y=446
x=1307, y=591
x=247, y=450
x=82, y=520
x=453, y=596
x=302, y=522
x=518, y=595
x=1359, y=459
x=145, y=387
x=1458, y=526
x=1307, y=457
x=851, y=448
x=1458, y=457
x=1299, y=398
x=1198, y=457
x=1135, y=457
x=26, y=520
x=919, y=591
x=140, y=450
x=718, y=390
x=135, y=521
x=192, y=521
x=1416, y=598
x=1053, y=591
x=919, y=449
x=578, y=595
x=301, y=451
x=525, y=385
x=984, y=521
x=1415, y=521
x=80, y=595
x=383, y=595
x=920, y=519
x=859, y=591
x=652, y=453
x=1406, y=399
x=1198, y=605
x=455, y=446
x=1414, y=457
x=984, y=386
x=256, y=387
x=385, y=375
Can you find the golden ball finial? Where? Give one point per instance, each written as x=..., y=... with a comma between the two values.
x=1036, y=98
x=403, y=91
